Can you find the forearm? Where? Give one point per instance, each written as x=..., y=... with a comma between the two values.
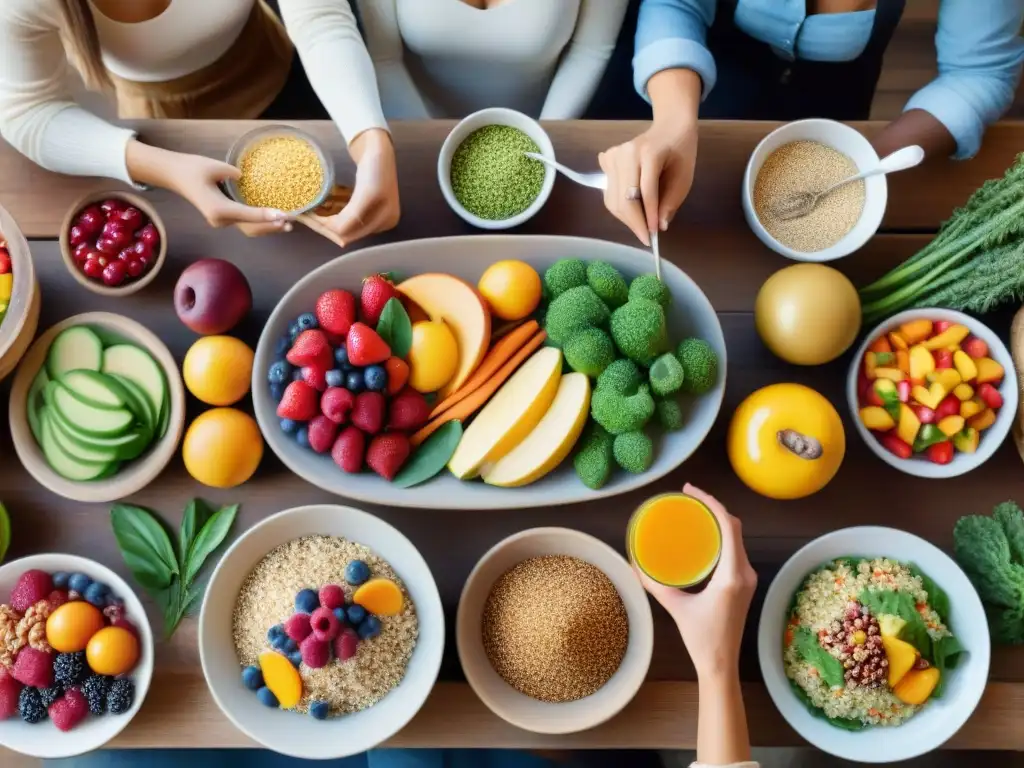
x=675, y=96
x=919, y=127
x=722, y=737
x=151, y=165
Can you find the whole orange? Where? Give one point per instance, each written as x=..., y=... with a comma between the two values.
x=512, y=289
x=70, y=626
x=222, y=447
x=112, y=651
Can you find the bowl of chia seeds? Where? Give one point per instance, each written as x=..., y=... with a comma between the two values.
x=484, y=175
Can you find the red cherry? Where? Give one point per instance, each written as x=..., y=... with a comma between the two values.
x=80, y=252
x=91, y=219
x=126, y=254
x=149, y=235
x=114, y=273
x=135, y=267
x=77, y=236
x=107, y=245
x=92, y=268
x=130, y=217
x=112, y=205
x=142, y=249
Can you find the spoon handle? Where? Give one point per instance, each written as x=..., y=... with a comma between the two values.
x=899, y=160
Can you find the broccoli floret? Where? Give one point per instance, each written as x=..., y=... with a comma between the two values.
x=669, y=414
x=650, y=287
x=620, y=413
x=700, y=366
x=608, y=283
x=593, y=460
x=638, y=328
x=621, y=376
x=574, y=310
x=666, y=375
x=633, y=451
x=590, y=351
x=563, y=275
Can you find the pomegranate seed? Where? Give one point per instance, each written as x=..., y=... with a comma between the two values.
x=126, y=254
x=81, y=251
x=91, y=219
x=107, y=245
x=149, y=235
x=135, y=267
x=103, y=261
x=112, y=205
x=131, y=217
x=114, y=273
x=142, y=249
x=77, y=236
x=92, y=268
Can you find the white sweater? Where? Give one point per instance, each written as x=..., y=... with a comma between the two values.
x=444, y=58
x=39, y=118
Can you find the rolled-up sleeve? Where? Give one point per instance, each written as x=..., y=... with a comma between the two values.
x=980, y=54
x=672, y=34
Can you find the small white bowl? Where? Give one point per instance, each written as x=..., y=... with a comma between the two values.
x=840, y=137
x=524, y=711
x=289, y=732
x=940, y=718
x=475, y=121
x=991, y=438
x=18, y=326
x=43, y=740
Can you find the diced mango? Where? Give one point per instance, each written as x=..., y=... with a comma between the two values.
x=897, y=341
x=881, y=344
x=901, y=655
x=966, y=441
x=931, y=396
x=972, y=407
x=921, y=362
x=6, y=285
x=916, y=330
x=908, y=424
x=988, y=370
x=963, y=391
x=949, y=337
x=917, y=685
x=951, y=425
x=903, y=360
x=947, y=377
x=964, y=365
x=982, y=421
x=893, y=374
x=282, y=678
x=382, y=597
x=870, y=364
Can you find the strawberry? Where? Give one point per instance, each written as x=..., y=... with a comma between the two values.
x=893, y=444
x=336, y=404
x=387, y=453
x=32, y=586
x=315, y=376
x=975, y=347
x=322, y=432
x=368, y=412
x=943, y=358
x=309, y=349
x=336, y=311
x=9, y=690
x=950, y=406
x=939, y=326
x=990, y=396
x=409, y=410
x=398, y=374
x=377, y=291
x=69, y=710
x=299, y=402
x=349, y=449
x=940, y=453
x=363, y=345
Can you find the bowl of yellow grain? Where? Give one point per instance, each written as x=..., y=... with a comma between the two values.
x=809, y=156
x=282, y=168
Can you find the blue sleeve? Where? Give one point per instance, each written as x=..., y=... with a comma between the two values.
x=671, y=34
x=980, y=55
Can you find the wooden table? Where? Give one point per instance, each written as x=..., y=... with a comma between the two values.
x=709, y=240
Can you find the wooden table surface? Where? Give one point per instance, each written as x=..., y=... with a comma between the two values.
x=709, y=240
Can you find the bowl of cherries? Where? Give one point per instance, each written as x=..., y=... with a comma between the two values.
x=114, y=243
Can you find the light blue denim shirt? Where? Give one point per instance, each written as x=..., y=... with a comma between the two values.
x=980, y=51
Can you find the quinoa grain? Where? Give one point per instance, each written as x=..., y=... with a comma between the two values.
x=282, y=172
x=491, y=177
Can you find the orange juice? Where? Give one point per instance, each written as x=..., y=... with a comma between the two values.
x=674, y=539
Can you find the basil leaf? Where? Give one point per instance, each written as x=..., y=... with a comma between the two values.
x=938, y=600
x=197, y=512
x=208, y=539
x=395, y=328
x=169, y=600
x=948, y=652
x=810, y=650
x=145, y=546
x=431, y=457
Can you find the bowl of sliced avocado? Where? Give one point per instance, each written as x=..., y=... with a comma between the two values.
x=97, y=407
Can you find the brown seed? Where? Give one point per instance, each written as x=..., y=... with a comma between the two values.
x=282, y=172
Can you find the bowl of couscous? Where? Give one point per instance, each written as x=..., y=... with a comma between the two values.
x=873, y=645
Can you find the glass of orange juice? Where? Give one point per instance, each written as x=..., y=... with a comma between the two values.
x=674, y=539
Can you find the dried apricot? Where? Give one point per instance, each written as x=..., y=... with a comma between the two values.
x=282, y=678
x=70, y=626
x=112, y=651
x=379, y=596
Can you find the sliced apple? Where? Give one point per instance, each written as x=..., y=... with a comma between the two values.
x=510, y=415
x=550, y=441
x=446, y=297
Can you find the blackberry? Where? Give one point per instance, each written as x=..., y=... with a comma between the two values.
x=30, y=706
x=49, y=695
x=119, y=697
x=69, y=668
x=95, y=690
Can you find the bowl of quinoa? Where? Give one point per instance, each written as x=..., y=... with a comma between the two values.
x=873, y=657
x=297, y=566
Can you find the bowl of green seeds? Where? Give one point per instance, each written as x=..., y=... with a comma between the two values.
x=485, y=175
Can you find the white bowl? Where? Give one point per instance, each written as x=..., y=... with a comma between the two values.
x=524, y=711
x=485, y=117
x=43, y=740
x=300, y=735
x=851, y=143
x=19, y=324
x=991, y=438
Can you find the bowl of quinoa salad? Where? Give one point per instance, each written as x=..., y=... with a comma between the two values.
x=873, y=644
x=339, y=571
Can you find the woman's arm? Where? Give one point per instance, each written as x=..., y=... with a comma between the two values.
x=672, y=34
x=980, y=54
x=398, y=93
x=584, y=60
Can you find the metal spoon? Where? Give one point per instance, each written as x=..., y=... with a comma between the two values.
x=802, y=203
x=596, y=180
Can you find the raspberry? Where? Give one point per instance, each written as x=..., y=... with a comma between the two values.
x=332, y=596
x=31, y=587
x=68, y=712
x=69, y=668
x=30, y=707
x=120, y=695
x=346, y=644
x=95, y=691
x=298, y=627
x=325, y=624
x=33, y=667
x=315, y=653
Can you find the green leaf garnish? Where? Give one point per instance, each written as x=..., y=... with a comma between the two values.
x=395, y=328
x=431, y=457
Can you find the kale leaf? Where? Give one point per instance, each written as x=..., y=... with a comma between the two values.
x=829, y=667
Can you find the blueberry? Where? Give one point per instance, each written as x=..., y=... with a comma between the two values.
x=307, y=601
x=318, y=709
x=335, y=378
x=295, y=657
x=288, y=426
x=354, y=381
x=267, y=697
x=340, y=615
x=302, y=437
x=275, y=633
x=60, y=579
x=96, y=594
x=280, y=643
x=357, y=572
x=307, y=321
x=376, y=377
x=279, y=372
x=282, y=346
x=370, y=627
x=288, y=645
x=297, y=374
x=293, y=331
x=277, y=392
x=341, y=358
x=356, y=614
x=252, y=678
x=79, y=582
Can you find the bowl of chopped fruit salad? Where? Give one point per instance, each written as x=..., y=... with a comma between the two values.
x=19, y=294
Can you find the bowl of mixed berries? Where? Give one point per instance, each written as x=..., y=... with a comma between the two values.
x=76, y=655
x=114, y=243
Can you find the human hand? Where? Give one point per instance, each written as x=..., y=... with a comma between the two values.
x=711, y=621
